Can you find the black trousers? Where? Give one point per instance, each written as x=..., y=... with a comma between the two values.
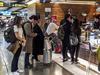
x=65, y=48
x=99, y=67
x=75, y=52
x=35, y=55
x=27, y=60
x=14, y=64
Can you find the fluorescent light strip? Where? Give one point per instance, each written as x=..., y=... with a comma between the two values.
x=14, y=8
x=31, y=2
x=77, y=2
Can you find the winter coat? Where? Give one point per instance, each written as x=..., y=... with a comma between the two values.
x=38, y=41
x=29, y=37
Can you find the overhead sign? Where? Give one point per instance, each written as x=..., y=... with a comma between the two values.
x=1, y=4
x=47, y=9
x=5, y=12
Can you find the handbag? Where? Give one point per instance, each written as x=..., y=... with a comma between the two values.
x=13, y=47
x=73, y=39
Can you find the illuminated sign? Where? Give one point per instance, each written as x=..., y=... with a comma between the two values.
x=19, y=5
x=1, y=4
x=5, y=12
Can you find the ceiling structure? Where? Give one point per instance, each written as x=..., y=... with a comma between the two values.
x=12, y=5
x=16, y=5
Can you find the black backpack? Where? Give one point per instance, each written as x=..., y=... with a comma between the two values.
x=61, y=32
x=9, y=35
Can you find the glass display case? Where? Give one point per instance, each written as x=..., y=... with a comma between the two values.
x=93, y=38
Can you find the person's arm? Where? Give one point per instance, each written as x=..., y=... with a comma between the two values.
x=28, y=30
x=48, y=31
x=18, y=37
x=56, y=26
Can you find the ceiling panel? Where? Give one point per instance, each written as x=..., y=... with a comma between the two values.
x=8, y=1
x=14, y=8
x=3, y=8
x=23, y=9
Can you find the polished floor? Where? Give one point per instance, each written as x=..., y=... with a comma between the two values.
x=38, y=68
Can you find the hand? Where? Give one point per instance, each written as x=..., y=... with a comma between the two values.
x=35, y=34
x=24, y=42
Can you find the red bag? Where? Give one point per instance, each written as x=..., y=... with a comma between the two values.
x=58, y=47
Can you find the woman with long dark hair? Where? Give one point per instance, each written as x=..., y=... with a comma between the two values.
x=19, y=35
x=75, y=49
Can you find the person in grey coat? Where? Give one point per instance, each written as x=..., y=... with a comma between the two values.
x=29, y=35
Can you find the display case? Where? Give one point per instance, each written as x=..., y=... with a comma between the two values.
x=90, y=40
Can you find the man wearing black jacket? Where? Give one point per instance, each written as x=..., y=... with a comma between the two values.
x=66, y=40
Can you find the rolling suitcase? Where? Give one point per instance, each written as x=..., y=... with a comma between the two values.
x=47, y=53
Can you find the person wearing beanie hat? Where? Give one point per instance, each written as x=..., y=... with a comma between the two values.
x=38, y=41
x=35, y=17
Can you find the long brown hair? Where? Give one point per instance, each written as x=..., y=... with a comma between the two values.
x=17, y=20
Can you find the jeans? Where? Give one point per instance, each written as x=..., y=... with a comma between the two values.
x=27, y=60
x=14, y=64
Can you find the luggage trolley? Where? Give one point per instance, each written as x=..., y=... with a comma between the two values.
x=47, y=53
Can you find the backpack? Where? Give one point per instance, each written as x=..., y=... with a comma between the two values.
x=9, y=35
x=73, y=39
x=61, y=32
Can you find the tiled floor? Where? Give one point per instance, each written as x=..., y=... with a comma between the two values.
x=38, y=68
x=76, y=69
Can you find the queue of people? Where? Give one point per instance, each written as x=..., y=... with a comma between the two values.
x=31, y=37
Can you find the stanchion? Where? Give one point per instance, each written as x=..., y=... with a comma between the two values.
x=89, y=58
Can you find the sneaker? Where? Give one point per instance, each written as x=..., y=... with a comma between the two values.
x=76, y=61
x=72, y=62
x=20, y=71
x=29, y=67
x=65, y=60
x=15, y=73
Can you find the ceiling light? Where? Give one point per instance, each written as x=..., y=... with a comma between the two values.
x=31, y=2
x=77, y=2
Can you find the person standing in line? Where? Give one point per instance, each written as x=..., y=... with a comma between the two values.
x=51, y=31
x=46, y=24
x=29, y=35
x=66, y=40
x=38, y=41
x=19, y=35
x=75, y=49
x=52, y=27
